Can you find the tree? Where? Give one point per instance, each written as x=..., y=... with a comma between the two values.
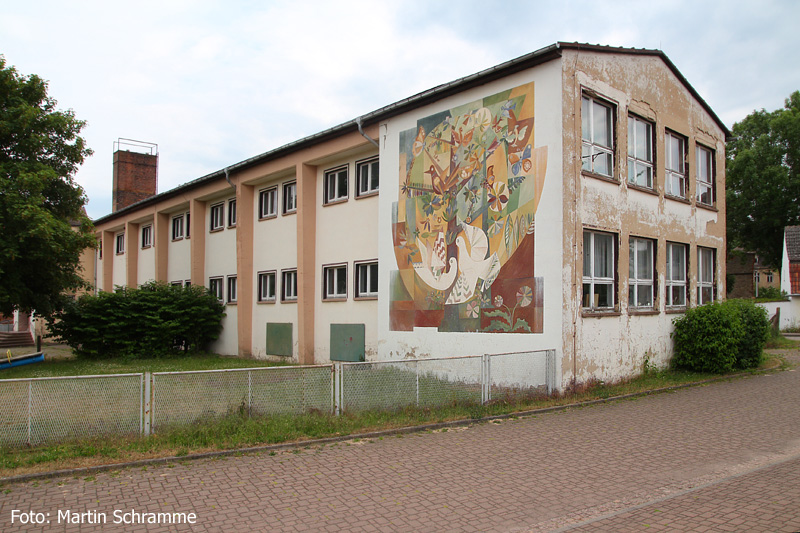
x=44, y=226
x=763, y=180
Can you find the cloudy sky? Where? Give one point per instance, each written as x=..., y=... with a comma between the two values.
x=214, y=82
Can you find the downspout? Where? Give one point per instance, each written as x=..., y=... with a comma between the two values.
x=363, y=134
x=228, y=178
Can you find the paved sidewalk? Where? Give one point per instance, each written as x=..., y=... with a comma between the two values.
x=724, y=457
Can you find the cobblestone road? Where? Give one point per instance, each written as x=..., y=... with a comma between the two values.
x=721, y=457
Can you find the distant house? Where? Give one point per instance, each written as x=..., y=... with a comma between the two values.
x=746, y=271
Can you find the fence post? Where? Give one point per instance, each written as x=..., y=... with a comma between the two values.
x=550, y=370
x=485, y=379
x=336, y=369
x=147, y=412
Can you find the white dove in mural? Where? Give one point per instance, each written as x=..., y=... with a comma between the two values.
x=430, y=268
x=473, y=265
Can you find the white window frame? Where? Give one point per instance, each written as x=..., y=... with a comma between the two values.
x=232, y=289
x=178, y=283
x=268, y=202
x=336, y=185
x=675, y=284
x=289, y=197
x=675, y=164
x=216, y=287
x=704, y=163
x=590, y=279
x=232, y=213
x=704, y=256
x=334, y=282
x=641, y=162
x=367, y=177
x=119, y=240
x=177, y=227
x=267, y=284
x=638, y=280
x=365, y=284
x=592, y=147
x=147, y=236
x=289, y=285
x=217, y=217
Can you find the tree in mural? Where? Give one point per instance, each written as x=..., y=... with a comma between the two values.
x=470, y=181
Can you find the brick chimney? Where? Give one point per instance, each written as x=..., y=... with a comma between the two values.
x=135, y=172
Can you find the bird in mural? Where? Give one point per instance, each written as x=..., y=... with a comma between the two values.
x=473, y=265
x=440, y=180
x=430, y=268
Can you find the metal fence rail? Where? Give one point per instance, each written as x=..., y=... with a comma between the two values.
x=41, y=410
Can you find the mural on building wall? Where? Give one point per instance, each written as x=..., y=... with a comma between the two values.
x=463, y=227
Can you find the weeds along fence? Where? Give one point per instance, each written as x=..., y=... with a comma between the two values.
x=46, y=410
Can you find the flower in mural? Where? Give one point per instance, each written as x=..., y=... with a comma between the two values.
x=486, y=300
x=498, y=301
x=524, y=296
x=474, y=308
x=498, y=196
x=495, y=225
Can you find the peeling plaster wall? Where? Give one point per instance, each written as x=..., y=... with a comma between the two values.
x=614, y=345
x=429, y=341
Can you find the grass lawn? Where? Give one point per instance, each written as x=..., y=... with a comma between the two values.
x=238, y=431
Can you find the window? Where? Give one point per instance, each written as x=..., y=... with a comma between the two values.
x=188, y=226
x=367, y=176
x=366, y=280
x=289, y=197
x=769, y=277
x=266, y=286
x=336, y=185
x=231, y=212
x=120, y=239
x=288, y=285
x=640, y=273
x=100, y=247
x=705, y=275
x=268, y=202
x=176, y=283
x=231, y=289
x=187, y=283
x=640, y=152
x=599, y=265
x=215, y=287
x=705, y=175
x=676, y=275
x=675, y=147
x=335, y=282
x=597, y=134
x=177, y=227
x=217, y=217
x=147, y=236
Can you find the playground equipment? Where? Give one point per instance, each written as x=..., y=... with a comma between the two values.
x=8, y=361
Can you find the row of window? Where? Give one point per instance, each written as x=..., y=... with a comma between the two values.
x=600, y=273
x=598, y=152
x=217, y=215
x=334, y=284
x=336, y=186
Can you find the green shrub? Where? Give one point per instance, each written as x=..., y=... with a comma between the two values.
x=720, y=337
x=153, y=320
x=772, y=294
x=707, y=338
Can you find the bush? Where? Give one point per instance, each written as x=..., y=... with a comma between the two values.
x=772, y=294
x=720, y=337
x=153, y=320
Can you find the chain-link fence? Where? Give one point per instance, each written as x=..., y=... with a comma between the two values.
x=41, y=410
x=44, y=410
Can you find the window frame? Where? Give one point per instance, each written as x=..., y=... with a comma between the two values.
x=703, y=283
x=635, y=278
x=232, y=213
x=178, y=283
x=289, y=273
x=264, y=275
x=708, y=186
x=369, y=164
x=592, y=280
x=590, y=147
x=232, y=289
x=289, y=186
x=217, y=281
x=268, y=197
x=333, y=182
x=177, y=226
x=673, y=173
x=635, y=160
x=188, y=227
x=119, y=243
x=147, y=236
x=365, y=266
x=671, y=283
x=216, y=217
x=333, y=276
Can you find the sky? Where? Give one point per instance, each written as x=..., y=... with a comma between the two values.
x=215, y=82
